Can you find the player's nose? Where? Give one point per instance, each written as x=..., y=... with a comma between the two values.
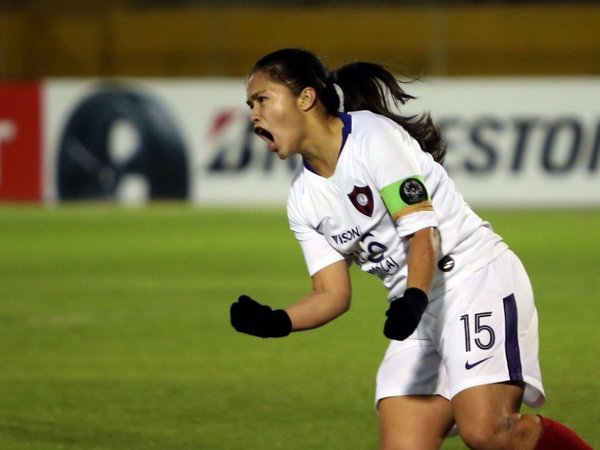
x=254, y=116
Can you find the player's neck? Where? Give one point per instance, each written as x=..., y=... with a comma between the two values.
x=323, y=147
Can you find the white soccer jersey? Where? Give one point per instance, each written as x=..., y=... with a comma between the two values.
x=384, y=189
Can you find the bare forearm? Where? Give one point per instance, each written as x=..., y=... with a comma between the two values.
x=422, y=258
x=316, y=310
x=330, y=298
x=404, y=313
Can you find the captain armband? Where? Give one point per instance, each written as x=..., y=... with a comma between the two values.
x=406, y=196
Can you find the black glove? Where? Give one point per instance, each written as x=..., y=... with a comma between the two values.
x=249, y=316
x=404, y=314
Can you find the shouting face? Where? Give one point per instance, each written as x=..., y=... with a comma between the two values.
x=276, y=114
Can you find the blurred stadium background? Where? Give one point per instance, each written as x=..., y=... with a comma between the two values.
x=114, y=320
x=190, y=38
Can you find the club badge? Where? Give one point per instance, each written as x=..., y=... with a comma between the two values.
x=362, y=199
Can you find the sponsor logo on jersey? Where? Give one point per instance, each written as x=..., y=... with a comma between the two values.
x=388, y=266
x=469, y=366
x=413, y=191
x=362, y=199
x=373, y=257
x=346, y=236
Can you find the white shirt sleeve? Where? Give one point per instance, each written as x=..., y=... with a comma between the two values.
x=393, y=155
x=416, y=221
x=318, y=254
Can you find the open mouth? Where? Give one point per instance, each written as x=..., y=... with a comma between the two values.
x=267, y=137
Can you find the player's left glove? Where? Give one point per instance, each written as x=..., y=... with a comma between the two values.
x=250, y=317
x=404, y=314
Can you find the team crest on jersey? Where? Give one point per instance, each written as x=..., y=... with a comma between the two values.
x=362, y=199
x=412, y=191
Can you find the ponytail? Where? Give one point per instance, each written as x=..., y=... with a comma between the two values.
x=364, y=86
x=368, y=86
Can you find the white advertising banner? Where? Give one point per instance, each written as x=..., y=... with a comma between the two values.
x=511, y=142
x=520, y=142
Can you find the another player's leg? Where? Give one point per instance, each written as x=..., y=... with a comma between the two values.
x=418, y=422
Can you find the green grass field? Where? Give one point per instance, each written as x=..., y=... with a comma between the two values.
x=115, y=331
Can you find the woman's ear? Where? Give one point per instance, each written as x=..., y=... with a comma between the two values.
x=307, y=98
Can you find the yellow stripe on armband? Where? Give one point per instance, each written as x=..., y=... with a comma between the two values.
x=419, y=207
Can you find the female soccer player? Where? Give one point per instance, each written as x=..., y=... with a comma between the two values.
x=372, y=191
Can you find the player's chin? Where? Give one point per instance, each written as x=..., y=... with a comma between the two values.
x=283, y=150
x=280, y=152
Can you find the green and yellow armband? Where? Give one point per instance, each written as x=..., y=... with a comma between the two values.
x=406, y=196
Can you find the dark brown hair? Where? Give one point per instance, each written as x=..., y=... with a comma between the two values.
x=365, y=86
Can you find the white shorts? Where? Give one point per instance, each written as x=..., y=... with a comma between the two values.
x=482, y=331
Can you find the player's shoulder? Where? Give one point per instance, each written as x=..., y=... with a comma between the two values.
x=373, y=132
x=367, y=124
x=364, y=121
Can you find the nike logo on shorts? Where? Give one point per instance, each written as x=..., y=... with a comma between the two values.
x=476, y=363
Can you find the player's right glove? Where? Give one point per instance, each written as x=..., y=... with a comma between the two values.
x=250, y=317
x=404, y=314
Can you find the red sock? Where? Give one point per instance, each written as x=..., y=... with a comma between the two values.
x=556, y=436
